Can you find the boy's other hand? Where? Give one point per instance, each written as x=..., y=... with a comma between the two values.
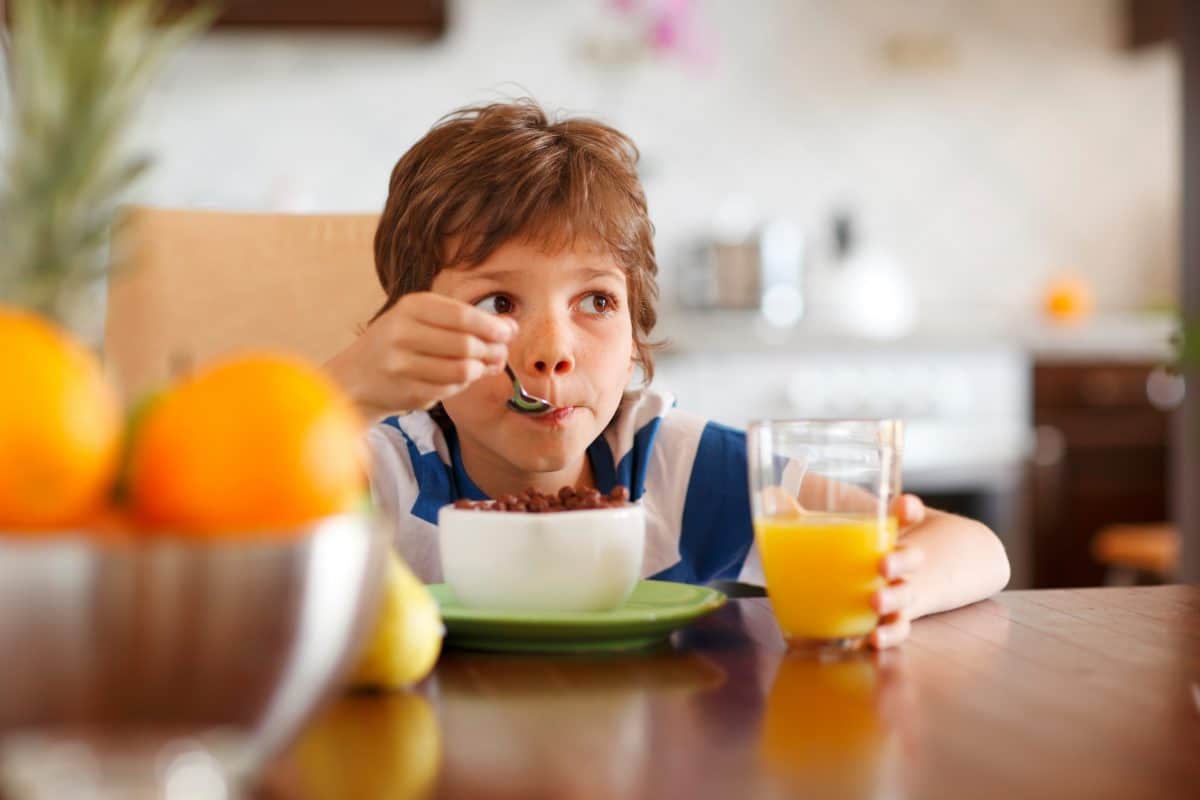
x=894, y=600
x=425, y=348
x=908, y=510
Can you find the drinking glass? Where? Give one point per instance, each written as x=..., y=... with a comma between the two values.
x=821, y=493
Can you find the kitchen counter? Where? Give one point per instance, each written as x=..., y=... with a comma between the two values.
x=1130, y=338
x=1122, y=337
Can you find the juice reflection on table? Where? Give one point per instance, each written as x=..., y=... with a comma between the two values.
x=822, y=729
x=821, y=569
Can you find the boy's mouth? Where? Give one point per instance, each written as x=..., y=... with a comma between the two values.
x=554, y=417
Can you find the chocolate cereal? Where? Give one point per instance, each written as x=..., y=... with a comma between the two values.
x=568, y=498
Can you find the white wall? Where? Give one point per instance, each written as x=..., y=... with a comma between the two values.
x=1037, y=145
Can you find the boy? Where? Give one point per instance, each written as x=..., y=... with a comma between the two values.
x=509, y=238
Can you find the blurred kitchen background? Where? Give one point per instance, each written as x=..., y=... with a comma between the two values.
x=961, y=212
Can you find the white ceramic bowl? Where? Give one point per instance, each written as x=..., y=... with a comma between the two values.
x=560, y=561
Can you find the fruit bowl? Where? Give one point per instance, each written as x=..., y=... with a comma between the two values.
x=127, y=657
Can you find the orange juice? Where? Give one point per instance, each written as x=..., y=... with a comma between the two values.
x=821, y=570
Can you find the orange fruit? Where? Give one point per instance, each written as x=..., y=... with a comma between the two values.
x=111, y=525
x=257, y=443
x=1068, y=300
x=60, y=427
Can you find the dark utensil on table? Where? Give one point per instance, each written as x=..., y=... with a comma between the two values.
x=735, y=589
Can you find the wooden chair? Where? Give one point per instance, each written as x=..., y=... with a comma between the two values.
x=199, y=284
x=1130, y=552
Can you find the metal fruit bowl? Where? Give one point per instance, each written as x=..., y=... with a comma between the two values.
x=122, y=656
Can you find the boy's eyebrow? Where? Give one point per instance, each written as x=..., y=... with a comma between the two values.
x=585, y=273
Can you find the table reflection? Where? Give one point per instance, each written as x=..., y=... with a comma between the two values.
x=368, y=746
x=834, y=728
x=572, y=727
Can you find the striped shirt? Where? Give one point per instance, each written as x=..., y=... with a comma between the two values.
x=688, y=473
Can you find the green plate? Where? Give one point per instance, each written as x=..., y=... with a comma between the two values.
x=646, y=619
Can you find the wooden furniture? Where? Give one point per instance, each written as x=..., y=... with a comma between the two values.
x=1150, y=22
x=1186, y=464
x=200, y=284
x=1127, y=551
x=1046, y=694
x=1102, y=458
x=422, y=17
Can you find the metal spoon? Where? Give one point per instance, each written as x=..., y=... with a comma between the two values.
x=522, y=402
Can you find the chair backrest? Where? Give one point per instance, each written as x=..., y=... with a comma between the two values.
x=199, y=284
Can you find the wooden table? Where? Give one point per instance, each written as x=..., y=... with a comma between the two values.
x=1091, y=693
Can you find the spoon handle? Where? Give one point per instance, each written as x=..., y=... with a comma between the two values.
x=521, y=400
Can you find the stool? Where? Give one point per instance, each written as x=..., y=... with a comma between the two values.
x=1131, y=551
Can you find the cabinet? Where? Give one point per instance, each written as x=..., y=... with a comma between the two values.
x=424, y=17
x=1102, y=457
x=1149, y=22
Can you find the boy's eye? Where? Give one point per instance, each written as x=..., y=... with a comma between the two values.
x=596, y=303
x=495, y=304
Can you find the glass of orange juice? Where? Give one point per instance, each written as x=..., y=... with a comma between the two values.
x=821, y=493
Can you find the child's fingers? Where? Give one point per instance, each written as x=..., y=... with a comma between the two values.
x=891, y=631
x=422, y=395
x=454, y=315
x=432, y=341
x=905, y=559
x=908, y=509
x=443, y=372
x=896, y=596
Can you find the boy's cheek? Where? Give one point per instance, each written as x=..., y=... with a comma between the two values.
x=482, y=400
x=492, y=390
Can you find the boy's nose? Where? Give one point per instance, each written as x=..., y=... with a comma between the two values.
x=559, y=366
x=549, y=352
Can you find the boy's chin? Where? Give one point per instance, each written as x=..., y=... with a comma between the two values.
x=533, y=456
x=541, y=462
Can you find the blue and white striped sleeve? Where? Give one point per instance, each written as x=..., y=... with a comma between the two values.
x=716, y=534
x=396, y=492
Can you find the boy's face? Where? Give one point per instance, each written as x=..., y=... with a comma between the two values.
x=574, y=347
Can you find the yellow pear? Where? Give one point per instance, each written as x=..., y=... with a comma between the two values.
x=407, y=637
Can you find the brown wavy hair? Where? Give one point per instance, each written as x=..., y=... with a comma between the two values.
x=487, y=174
